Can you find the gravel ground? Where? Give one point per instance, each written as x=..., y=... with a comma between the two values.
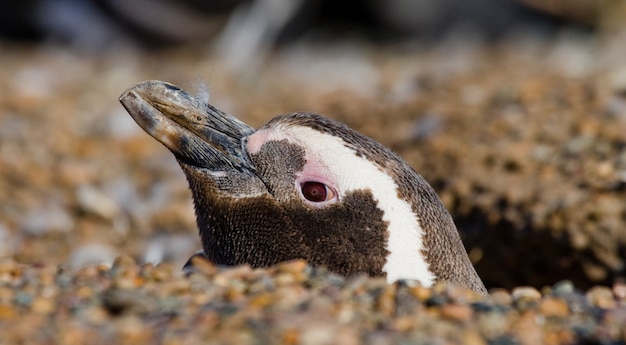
x=291, y=303
x=523, y=139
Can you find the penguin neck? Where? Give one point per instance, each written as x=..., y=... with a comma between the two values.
x=444, y=250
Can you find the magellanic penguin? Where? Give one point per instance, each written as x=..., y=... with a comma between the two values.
x=303, y=187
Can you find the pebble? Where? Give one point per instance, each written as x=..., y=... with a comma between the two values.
x=563, y=288
x=48, y=218
x=92, y=254
x=174, y=248
x=619, y=289
x=43, y=305
x=525, y=293
x=461, y=313
x=500, y=296
x=553, y=307
x=92, y=200
x=601, y=297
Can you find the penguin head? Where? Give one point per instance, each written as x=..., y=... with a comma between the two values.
x=303, y=187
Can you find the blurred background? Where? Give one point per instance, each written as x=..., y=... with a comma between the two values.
x=514, y=110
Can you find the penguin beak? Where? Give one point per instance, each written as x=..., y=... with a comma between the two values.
x=197, y=133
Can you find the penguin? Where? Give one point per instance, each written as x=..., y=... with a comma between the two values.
x=303, y=186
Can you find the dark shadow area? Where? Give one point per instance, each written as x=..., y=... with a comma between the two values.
x=528, y=256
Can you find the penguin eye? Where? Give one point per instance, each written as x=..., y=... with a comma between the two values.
x=317, y=192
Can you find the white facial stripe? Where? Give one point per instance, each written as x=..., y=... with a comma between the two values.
x=405, y=260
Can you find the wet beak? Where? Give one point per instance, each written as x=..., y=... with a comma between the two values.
x=197, y=133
